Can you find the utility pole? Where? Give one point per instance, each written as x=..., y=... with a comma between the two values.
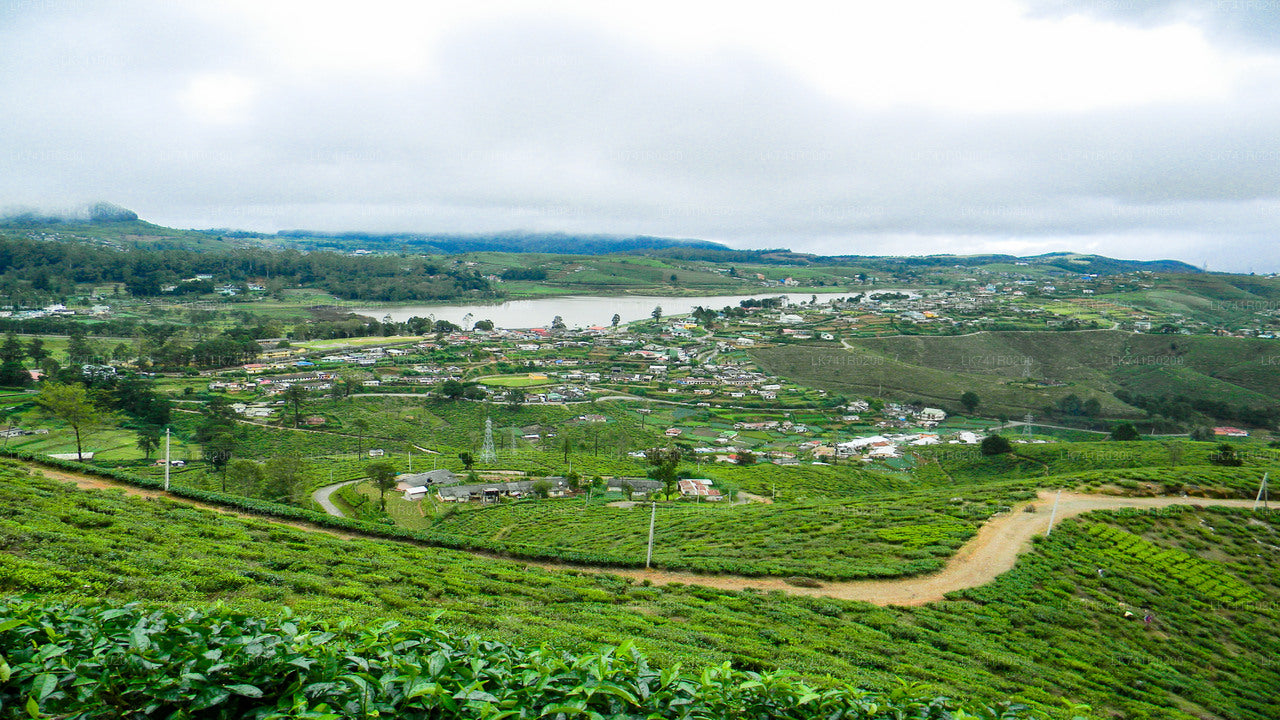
x=166, y=459
x=653, y=516
x=1053, y=513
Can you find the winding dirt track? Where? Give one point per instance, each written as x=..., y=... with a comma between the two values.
x=993, y=551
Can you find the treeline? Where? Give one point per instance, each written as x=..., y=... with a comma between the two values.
x=511, y=242
x=534, y=274
x=39, y=270
x=1184, y=409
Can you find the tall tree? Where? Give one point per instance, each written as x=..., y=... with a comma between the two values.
x=384, y=478
x=515, y=397
x=970, y=400
x=616, y=319
x=218, y=451
x=657, y=312
x=361, y=426
x=280, y=478
x=296, y=396
x=148, y=440
x=664, y=462
x=12, y=351
x=451, y=389
x=78, y=349
x=244, y=475
x=36, y=350
x=71, y=404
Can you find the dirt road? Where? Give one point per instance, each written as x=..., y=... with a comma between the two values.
x=993, y=551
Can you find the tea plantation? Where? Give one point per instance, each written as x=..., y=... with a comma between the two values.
x=1162, y=614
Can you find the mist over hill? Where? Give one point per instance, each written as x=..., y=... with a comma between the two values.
x=116, y=226
x=99, y=212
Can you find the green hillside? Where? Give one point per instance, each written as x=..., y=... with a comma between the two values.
x=1052, y=628
x=1018, y=372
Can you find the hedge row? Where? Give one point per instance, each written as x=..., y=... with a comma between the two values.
x=363, y=527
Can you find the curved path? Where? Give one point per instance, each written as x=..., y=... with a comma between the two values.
x=991, y=552
x=322, y=496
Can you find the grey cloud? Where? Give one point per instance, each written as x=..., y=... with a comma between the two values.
x=540, y=124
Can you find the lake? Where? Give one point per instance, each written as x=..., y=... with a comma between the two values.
x=582, y=311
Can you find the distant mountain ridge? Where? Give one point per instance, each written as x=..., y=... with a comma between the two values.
x=115, y=226
x=513, y=242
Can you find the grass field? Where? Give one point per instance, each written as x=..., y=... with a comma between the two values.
x=529, y=380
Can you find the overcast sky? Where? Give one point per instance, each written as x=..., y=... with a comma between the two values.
x=1129, y=128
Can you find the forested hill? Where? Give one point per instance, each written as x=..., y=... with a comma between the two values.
x=512, y=242
x=35, y=272
x=118, y=228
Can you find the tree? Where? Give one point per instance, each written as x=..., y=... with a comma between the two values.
x=674, y=279
x=995, y=445
x=280, y=478
x=485, y=325
x=541, y=489
x=1071, y=405
x=1092, y=407
x=71, y=404
x=218, y=451
x=1125, y=432
x=361, y=426
x=657, y=312
x=1202, y=433
x=451, y=389
x=14, y=374
x=384, y=478
x=970, y=400
x=515, y=397
x=12, y=350
x=36, y=350
x=664, y=462
x=244, y=475
x=296, y=395
x=148, y=440
x=467, y=460
x=1226, y=456
x=616, y=319
x=557, y=323
x=746, y=457
x=78, y=350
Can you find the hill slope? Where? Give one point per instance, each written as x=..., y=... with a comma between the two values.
x=996, y=365
x=1050, y=628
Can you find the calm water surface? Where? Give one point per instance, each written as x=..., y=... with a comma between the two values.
x=582, y=311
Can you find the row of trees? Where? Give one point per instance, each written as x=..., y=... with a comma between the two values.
x=52, y=267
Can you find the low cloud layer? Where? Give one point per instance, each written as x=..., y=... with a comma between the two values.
x=554, y=117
